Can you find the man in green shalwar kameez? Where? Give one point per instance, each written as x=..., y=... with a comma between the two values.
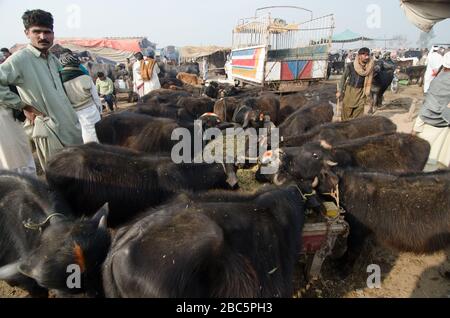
x=355, y=85
x=51, y=121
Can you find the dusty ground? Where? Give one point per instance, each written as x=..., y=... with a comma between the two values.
x=404, y=275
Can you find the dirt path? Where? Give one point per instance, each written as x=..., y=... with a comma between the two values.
x=412, y=276
x=7, y=292
x=402, y=108
x=403, y=275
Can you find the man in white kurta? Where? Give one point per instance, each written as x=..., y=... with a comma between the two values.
x=153, y=83
x=138, y=83
x=433, y=123
x=15, y=149
x=434, y=63
x=205, y=68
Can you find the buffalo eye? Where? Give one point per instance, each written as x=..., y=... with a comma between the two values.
x=315, y=156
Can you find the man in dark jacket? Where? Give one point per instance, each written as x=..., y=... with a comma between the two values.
x=356, y=84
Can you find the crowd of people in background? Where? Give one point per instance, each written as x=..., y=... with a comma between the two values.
x=145, y=73
x=55, y=103
x=433, y=122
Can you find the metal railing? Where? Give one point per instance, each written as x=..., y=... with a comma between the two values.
x=278, y=35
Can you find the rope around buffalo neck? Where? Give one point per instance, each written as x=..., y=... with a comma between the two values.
x=335, y=194
x=307, y=195
x=38, y=226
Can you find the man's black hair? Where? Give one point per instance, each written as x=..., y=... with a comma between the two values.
x=100, y=74
x=4, y=50
x=37, y=18
x=364, y=50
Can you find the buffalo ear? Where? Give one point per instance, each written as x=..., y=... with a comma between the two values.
x=101, y=217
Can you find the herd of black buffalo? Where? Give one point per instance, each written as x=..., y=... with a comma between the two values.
x=131, y=223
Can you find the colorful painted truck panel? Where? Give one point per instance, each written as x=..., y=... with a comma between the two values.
x=248, y=64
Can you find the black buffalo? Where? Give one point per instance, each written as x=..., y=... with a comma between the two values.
x=163, y=96
x=408, y=212
x=91, y=175
x=40, y=238
x=392, y=153
x=224, y=245
x=191, y=108
x=290, y=104
x=226, y=107
x=150, y=134
x=336, y=132
x=306, y=119
x=382, y=79
x=123, y=128
x=157, y=110
x=267, y=104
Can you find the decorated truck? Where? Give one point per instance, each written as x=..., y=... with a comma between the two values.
x=271, y=52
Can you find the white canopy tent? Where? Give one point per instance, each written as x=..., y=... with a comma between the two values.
x=426, y=13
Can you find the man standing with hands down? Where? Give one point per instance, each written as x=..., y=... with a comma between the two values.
x=356, y=84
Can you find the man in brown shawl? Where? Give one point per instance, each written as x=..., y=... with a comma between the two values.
x=355, y=85
x=149, y=71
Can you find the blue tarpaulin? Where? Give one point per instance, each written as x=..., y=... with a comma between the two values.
x=349, y=36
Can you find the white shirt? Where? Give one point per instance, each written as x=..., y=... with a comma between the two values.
x=137, y=78
x=435, y=61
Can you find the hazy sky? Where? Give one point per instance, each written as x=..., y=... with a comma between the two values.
x=198, y=22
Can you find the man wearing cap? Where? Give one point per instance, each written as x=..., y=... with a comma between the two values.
x=83, y=95
x=356, y=84
x=51, y=121
x=434, y=119
x=434, y=63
